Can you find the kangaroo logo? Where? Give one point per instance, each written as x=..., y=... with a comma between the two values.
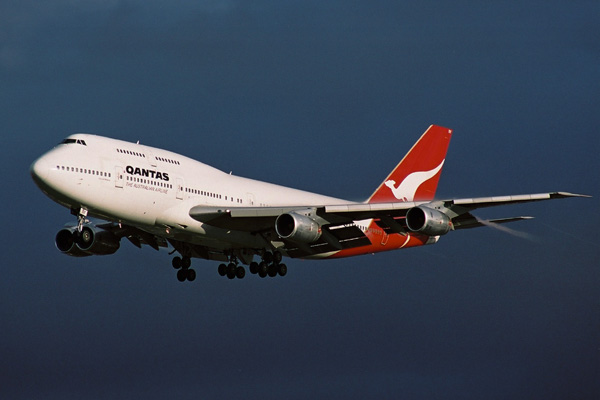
x=408, y=187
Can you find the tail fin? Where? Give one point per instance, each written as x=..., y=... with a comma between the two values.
x=416, y=177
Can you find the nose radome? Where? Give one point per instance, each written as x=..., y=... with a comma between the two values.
x=39, y=169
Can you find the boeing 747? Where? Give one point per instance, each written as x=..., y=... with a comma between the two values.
x=161, y=199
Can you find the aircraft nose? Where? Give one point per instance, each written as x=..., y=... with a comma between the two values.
x=39, y=169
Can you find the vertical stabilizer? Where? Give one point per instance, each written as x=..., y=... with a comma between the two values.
x=416, y=177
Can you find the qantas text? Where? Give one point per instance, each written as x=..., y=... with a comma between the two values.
x=147, y=173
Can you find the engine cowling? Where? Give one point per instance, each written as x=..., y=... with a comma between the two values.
x=297, y=228
x=90, y=241
x=428, y=221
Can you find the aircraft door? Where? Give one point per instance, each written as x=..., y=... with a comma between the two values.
x=119, y=178
x=150, y=157
x=180, y=188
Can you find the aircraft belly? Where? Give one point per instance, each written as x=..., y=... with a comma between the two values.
x=222, y=240
x=175, y=223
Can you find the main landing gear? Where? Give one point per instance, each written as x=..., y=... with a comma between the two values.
x=232, y=270
x=184, y=271
x=270, y=265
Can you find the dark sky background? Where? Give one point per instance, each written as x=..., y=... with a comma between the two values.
x=327, y=97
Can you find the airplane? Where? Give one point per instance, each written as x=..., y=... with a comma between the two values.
x=161, y=199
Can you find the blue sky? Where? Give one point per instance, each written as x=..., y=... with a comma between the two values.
x=327, y=97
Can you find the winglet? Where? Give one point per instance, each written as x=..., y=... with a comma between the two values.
x=416, y=177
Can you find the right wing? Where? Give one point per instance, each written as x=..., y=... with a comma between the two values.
x=336, y=222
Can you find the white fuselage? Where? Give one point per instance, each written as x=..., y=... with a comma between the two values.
x=154, y=189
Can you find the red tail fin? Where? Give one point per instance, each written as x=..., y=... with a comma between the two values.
x=416, y=177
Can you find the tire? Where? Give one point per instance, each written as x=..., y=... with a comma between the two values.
x=268, y=257
x=231, y=269
x=240, y=272
x=182, y=275
x=186, y=262
x=263, y=268
x=191, y=275
x=253, y=267
x=85, y=238
x=176, y=262
x=282, y=269
x=222, y=269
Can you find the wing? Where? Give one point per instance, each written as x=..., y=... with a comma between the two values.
x=458, y=210
x=336, y=222
x=334, y=232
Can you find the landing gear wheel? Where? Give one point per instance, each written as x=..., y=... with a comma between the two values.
x=282, y=269
x=176, y=262
x=186, y=262
x=191, y=275
x=86, y=237
x=231, y=274
x=182, y=275
x=268, y=257
x=263, y=267
x=240, y=272
x=253, y=267
x=277, y=257
x=222, y=269
x=231, y=269
x=272, y=272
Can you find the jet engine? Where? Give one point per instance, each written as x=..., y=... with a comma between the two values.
x=90, y=241
x=428, y=221
x=297, y=228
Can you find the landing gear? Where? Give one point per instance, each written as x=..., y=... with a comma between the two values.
x=83, y=235
x=232, y=270
x=269, y=266
x=183, y=266
x=81, y=218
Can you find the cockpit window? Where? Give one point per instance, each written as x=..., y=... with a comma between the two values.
x=70, y=141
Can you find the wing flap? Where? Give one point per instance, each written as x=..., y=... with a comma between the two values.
x=333, y=239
